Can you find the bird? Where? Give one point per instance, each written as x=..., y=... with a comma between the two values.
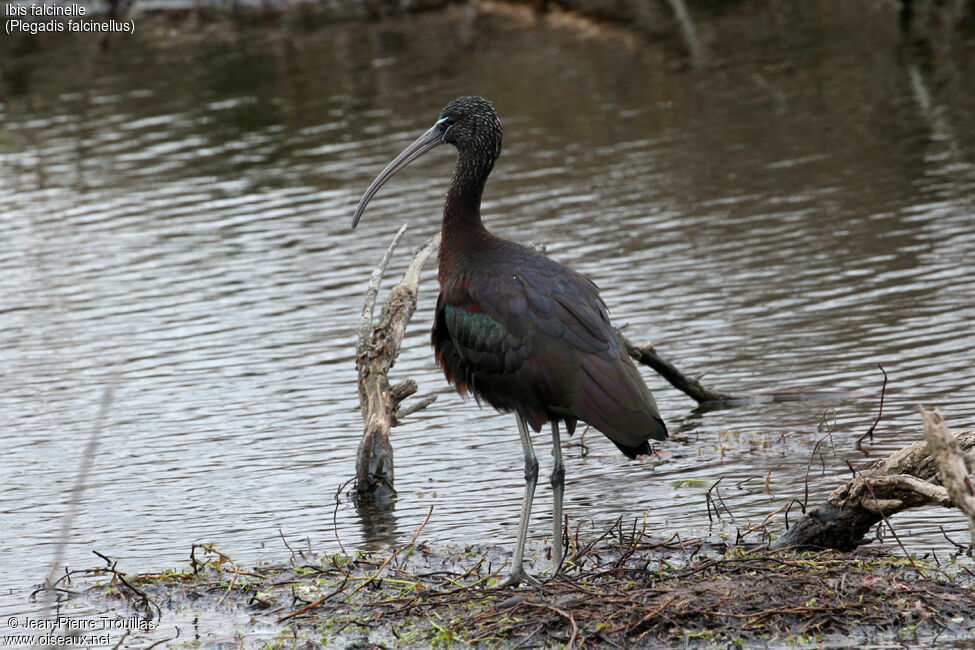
x=516, y=329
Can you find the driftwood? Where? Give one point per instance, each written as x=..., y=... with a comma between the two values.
x=376, y=352
x=907, y=479
x=953, y=464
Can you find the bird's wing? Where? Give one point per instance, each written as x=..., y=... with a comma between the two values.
x=499, y=320
x=541, y=336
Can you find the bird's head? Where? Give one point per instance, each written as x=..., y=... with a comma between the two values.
x=469, y=123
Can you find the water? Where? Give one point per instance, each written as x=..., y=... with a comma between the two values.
x=786, y=217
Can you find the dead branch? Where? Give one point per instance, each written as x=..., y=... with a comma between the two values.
x=880, y=413
x=419, y=405
x=376, y=352
x=368, y=309
x=647, y=355
x=906, y=479
x=952, y=468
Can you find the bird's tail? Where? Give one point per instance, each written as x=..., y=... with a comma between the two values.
x=644, y=448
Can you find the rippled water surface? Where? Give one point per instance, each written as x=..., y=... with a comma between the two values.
x=175, y=224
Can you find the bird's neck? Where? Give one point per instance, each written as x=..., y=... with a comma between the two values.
x=462, y=231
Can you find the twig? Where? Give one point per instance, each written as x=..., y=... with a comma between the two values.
x=428, y=248
x=581, y=443
x=646, y=618
x=145, y=603
x=561, y=612
x=162, y=641
x=906, y=479
x=961, y=547
x=108, y=561
x=293, y=557
x=880, y=413
x=709, y=501
x=233, y=580
x=805, y=489
x=335, y=516
x=118, y=645
x=316, y=603
x=720, y=500
x=369, y=308
x=825, y=424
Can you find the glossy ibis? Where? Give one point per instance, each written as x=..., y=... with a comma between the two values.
x=518, y=330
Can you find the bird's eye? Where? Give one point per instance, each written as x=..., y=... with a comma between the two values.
x=445, y=122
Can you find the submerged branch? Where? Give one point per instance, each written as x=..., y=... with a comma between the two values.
x=647, y=355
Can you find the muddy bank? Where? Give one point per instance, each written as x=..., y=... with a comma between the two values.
x=619, y=589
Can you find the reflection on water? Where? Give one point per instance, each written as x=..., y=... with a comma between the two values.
x=788, y=216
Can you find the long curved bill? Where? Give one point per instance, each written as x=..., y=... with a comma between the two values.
x=423, y=144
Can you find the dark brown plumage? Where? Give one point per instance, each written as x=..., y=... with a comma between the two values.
x=528, y=335
x=517, y=329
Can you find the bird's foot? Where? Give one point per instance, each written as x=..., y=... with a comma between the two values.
x=516, y=577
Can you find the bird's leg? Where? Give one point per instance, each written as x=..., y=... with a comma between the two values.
x=558, y=489
x=531, y=479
